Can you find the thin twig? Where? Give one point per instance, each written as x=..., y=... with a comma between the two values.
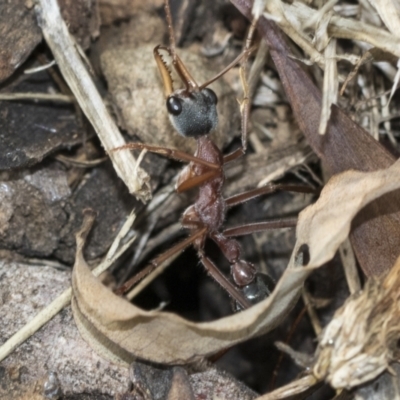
x=80, y=163
x=36, y=97
x=75, y=72
x=350, y=268
x=311, y=312
x=35, y=70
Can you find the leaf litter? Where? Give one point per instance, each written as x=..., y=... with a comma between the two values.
x=322, y=227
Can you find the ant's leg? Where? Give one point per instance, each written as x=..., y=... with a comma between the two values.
x=251, y=194
x=247, y=229
x=180, y=156
x=220, y=278
x=169, y=153
x=197, y=180
x=159, y=260
x=234, y=155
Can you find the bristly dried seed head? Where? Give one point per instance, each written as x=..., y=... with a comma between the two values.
x=361, y=340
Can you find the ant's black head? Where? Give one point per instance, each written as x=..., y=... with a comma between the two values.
x=193, y=114
x=192, y=111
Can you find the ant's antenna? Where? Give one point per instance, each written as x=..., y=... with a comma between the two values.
x=171, y=33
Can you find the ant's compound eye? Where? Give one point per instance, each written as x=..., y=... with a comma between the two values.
x=174, y=105
x=211, y=94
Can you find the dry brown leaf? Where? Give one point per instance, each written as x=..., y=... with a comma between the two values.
x=346, y=145
x=127, y=331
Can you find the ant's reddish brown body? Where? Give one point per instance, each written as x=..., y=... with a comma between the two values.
x=193, y=113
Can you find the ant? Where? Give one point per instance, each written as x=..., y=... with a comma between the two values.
x=193, y=113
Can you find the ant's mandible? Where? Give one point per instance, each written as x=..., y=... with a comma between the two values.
x=193, y=113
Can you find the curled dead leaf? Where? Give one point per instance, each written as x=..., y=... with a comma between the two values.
x=111, y=322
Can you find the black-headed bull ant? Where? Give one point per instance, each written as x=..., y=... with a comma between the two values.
x=193, y=113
